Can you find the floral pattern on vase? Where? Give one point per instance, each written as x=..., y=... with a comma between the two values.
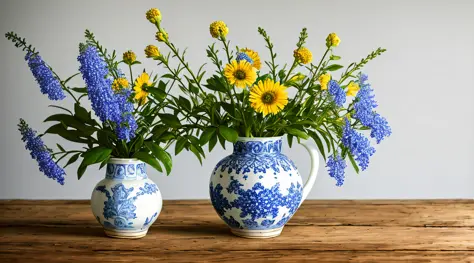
x=256, y=188
x=125, y=199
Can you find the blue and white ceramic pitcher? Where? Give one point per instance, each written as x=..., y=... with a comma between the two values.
x=257, y=189
x=126, y=202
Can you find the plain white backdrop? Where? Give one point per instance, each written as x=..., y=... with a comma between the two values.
x=423, y=83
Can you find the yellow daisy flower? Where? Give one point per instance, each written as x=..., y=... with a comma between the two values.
x=241, y=74
x=218, y=29
x=303, y=55
x=332, y=40
x=352, y=89
x=152, y=51
x=129, y=57
x=119, y=84
x=268, y=97
x=324, y=79
x=254, y=56
x=153, y=15
x=141, y=83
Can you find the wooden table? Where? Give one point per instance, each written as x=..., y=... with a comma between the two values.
x=190, y=231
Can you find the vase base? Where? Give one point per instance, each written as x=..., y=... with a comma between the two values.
x=125, y=234
x=257, y=233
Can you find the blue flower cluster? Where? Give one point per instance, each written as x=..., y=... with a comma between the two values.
x=243, y=56
x=336, y=166
x=41, y=153
x=44, y=76
x=338, y=94
x=364, y=111
x=107, y=105
x=358, y=144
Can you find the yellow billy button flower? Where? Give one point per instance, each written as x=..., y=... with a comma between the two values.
x=152, y=51
x=268, y=97
x=129, y=57
x=303, y=55
x=153, y=15
x=218, y=29
x=352, y=89
x=140, y=88
x=254, y=56
x=161, y=36
x=119, y=84
x=323, y=80
x=241, y=74
x=332, y=40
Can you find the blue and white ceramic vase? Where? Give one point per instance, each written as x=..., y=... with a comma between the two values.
x=257, y=189
x=126, y=202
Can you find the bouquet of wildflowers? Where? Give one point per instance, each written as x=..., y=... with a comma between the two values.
x=131, y=118
x=245, y=96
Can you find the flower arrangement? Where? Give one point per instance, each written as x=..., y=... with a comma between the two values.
x=137, y=117
x=248, y=97
x=132, y=118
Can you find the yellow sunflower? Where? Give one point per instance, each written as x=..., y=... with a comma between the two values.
x=141, y=83
x=254, y=56
x=268, y=97
x=241, y=74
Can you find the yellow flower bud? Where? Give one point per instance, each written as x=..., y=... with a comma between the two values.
x=303, y=55
x=152, y=51
x=352, y=89
x=129, y=57
x=218, y=29
x=162, y=36
x=153, y=15
x=297, y=77
x=119, y=84
x=332, y=40
x=323, y=80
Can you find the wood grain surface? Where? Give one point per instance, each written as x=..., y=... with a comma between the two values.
x=190, y=231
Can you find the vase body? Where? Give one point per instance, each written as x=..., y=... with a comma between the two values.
x=126, y=202
x=256, y=189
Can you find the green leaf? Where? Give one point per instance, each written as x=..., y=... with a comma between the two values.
x=353, y=162
x=212, y=142
x=297, y=133
x=82, y=114
x=138, y=143
x=196, y=152
x=162, y=155
x=318, y=142
x=70, y=135
x=158, y=94
x=179, y=146
x=334, y=57
x=158, y=130
x=60, y=147
x=290, y=140
x=185, y=103
x=96, y=155
x=73, y=122
x=215, y=83
x=229, y=134
x=206, y=135
x=333, y=67
x=72, y=160
x=170, y=119
x=80, y=90
x=149, y=159
x=81, y=170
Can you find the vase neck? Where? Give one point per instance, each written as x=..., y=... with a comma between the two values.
x=270, y=145
x=126, y=169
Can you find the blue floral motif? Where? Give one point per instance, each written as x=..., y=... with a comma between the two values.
x=218, y=200
x=119, y=206
x=148, y=221
x=126, y=171
x=256, y=156
x=148, y=189
x=256, y=203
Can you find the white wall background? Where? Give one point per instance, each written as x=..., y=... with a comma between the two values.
x=424, y=84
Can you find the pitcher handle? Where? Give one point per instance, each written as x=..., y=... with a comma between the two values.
x=313, y=153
